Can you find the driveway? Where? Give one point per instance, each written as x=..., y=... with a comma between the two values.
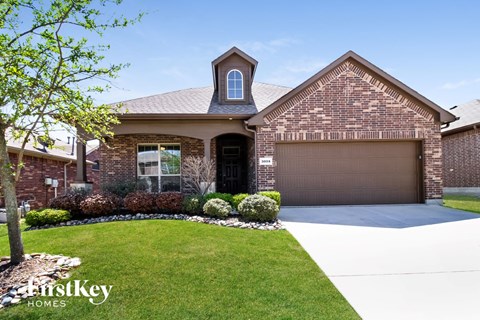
x=395, y=262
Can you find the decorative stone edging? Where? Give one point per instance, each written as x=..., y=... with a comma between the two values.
x=58, y=269
x=232, y=222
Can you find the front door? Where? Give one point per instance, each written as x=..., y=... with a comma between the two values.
x=231, y=169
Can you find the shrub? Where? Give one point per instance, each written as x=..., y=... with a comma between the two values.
x=101, y=204
x=37, y=218
x=239, y=198
x=140, y=201
x=217, y=208
x=258, y=208
x=217, y=195
x=71, y=201
x=274, y=195
x=193, y=204
x=124, y=187
x=170, y=202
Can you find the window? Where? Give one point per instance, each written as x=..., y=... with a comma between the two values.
x=96, y=165
x=158, y=167
x=234, y=85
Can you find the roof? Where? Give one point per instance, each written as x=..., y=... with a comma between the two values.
x=61, y=150
x=444, y=115
x=468, y=114
x=201, y=101
x=233, y=50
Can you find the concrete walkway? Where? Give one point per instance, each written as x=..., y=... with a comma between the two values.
x=394, y=271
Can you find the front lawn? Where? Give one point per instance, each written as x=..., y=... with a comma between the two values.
x=184, y=270
x=466, y=203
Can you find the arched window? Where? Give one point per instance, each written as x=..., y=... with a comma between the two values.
x=234, y=85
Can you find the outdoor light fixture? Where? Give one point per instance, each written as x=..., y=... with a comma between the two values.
x=48, y=181
x=54, y=183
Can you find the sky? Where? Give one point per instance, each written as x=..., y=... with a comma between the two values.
x=431, y=46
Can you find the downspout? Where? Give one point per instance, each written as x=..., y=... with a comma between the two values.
x=256, y=160
x=65, y=176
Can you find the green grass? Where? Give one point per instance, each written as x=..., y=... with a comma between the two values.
x=466, y=203
x=4, y=230
x=185, y=270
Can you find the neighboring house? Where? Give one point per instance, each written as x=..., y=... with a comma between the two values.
x=461, y=150
x=351, y=134
x=56, y=162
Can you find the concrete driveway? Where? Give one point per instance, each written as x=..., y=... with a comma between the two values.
x=395, y=262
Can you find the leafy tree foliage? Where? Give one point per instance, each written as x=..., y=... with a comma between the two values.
x=48, y=74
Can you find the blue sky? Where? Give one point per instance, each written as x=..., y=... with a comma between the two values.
x=431, y=46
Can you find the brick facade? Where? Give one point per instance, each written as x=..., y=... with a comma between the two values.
x=350, y=104
x=461, y=158
x=36, y=169
x=119, y=159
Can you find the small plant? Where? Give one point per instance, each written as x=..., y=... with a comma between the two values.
x=258, y=208
x=101, y=204
x=199, y=174
x=239, y=198
x=274, y=195
x=169, y=202
x=193, y=204
x=217, y=195
x=70, y=201
x=42, y=217
x=140, y=201
x=217, y=208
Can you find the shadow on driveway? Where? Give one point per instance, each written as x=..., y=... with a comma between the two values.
x=381, y=216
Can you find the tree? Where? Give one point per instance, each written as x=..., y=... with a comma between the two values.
x=48, y=74
x=199, y=173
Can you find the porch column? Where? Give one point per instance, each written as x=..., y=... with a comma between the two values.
x=81, y=163
x=206, y=146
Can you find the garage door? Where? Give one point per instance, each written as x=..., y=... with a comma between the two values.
x=348, y=173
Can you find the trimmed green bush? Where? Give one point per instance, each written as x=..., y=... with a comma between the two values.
x=193, y=204
x=217, y=208
x=42, y=217
x=258, y=208
x=218, y=195
x=239, y=198
x=274, y=195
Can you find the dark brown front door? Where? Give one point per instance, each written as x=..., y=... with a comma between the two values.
x=231, y=169
x=231, y=164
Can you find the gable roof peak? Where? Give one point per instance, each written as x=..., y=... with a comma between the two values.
x=443, y=115
x=233, y=50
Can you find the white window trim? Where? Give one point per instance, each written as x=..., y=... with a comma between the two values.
x=160, y=174
x=241, y=74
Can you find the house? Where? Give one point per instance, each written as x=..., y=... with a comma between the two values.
x=57, y=162
x=350, y=134
x=461, y=150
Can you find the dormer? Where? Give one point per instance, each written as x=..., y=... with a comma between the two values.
x=233, y=74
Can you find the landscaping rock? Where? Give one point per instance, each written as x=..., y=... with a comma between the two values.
x=41, y=270
x=231, y=221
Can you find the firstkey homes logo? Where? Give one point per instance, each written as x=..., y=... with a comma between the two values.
x=96, y=294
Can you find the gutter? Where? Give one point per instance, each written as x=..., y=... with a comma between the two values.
x=65, y=176
x=256, y=160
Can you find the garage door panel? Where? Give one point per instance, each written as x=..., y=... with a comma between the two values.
x=347, y=173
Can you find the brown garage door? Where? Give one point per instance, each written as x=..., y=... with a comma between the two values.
x=348, y=173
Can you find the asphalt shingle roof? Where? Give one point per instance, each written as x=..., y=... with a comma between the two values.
x=203, y=101
x=469, y=114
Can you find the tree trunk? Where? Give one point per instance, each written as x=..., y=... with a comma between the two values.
x=7, y=180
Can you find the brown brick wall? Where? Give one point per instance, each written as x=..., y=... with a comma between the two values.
x=31, y=184
x=461, y=159
x=350, y=104
x=119, y=159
